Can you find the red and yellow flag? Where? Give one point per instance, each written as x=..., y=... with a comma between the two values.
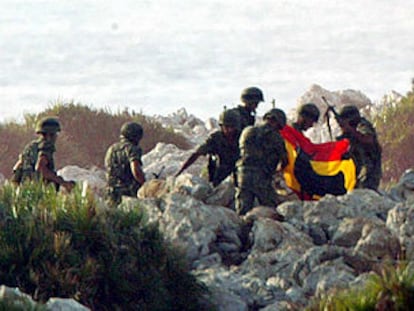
x=317, y=169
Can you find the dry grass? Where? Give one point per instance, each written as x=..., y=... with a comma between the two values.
x=86, y=135
x=88, y=132
x=395, y=126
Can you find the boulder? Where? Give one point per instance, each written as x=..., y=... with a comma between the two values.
x=378, y=242
x=404, y=190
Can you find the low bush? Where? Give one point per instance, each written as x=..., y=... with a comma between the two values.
x=69, y=246
x=389, y=289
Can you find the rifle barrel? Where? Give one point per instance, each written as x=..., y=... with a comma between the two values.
x=330, y=107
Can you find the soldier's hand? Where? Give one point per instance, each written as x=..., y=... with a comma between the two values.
x=69, y=185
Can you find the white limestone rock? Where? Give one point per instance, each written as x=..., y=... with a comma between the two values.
x=378, y=242
x=93, y=178
x=338, y=99
x=167, y=159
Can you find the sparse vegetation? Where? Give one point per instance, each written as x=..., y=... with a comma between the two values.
x=64, y=245
x=86, y=135
x=390, y=289
x=395, y=126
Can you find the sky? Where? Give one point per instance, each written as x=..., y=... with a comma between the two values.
x=158, y=56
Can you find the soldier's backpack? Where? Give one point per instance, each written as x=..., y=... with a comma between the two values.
x=24, y=169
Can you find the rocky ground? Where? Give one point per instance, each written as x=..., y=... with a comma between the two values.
x=256, y=262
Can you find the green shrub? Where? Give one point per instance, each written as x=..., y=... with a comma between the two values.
x=392, y=288
x=57, y=245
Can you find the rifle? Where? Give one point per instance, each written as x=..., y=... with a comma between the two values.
x=211, y=167
x=331, y=108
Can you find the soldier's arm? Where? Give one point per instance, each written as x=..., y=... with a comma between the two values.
x=365, y=138
x=362, y=132
x=365, y=133
x=283, y=153
x=47, y=174
x=206, y=148
x=137, y=171
x=18, y=164
x=188, y=163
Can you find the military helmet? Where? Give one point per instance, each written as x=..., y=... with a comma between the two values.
x=230, y=118
x=47, y=125
x=350, y=112
x=132, y=131
x=310, y=110
x=252, y=94
x=276, y=114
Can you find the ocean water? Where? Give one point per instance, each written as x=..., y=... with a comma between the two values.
x=158, y=56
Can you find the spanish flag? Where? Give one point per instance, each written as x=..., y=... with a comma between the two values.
x=317, y=169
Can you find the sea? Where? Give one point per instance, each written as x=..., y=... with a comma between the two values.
x=156, y=57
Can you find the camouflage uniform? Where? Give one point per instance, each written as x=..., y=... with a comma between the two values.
x=225, y=152
x=25, y=169
x=367, y=157
x=308, y=114
x=262, y=148
x=120, y=180
x=246, y=117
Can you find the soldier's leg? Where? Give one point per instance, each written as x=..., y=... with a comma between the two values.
x=113, y=197
x=244, y=200
x=372, y=177
x=267, y=196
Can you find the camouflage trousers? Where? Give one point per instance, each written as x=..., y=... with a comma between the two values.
x=114, y=194
x=369, y=177
x=254, y=185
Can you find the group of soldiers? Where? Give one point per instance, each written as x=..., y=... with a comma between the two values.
x=251, y=153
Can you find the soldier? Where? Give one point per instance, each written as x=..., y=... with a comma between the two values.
x=365, y=148
x=250, y=98
x=36, y=161
x=262, y=149
x=222, y=147
x=308, y=115
x=123, y=164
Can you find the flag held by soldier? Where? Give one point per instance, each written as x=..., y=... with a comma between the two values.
x=317, y=169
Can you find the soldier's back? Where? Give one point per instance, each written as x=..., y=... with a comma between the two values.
x=246, y=118
x=25, y=168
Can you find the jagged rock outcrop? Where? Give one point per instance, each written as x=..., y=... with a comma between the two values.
x=167, y=159
x=256, y=262
x=195, y=130
x=191, y=127
x=404, y=189
x=320, y=133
